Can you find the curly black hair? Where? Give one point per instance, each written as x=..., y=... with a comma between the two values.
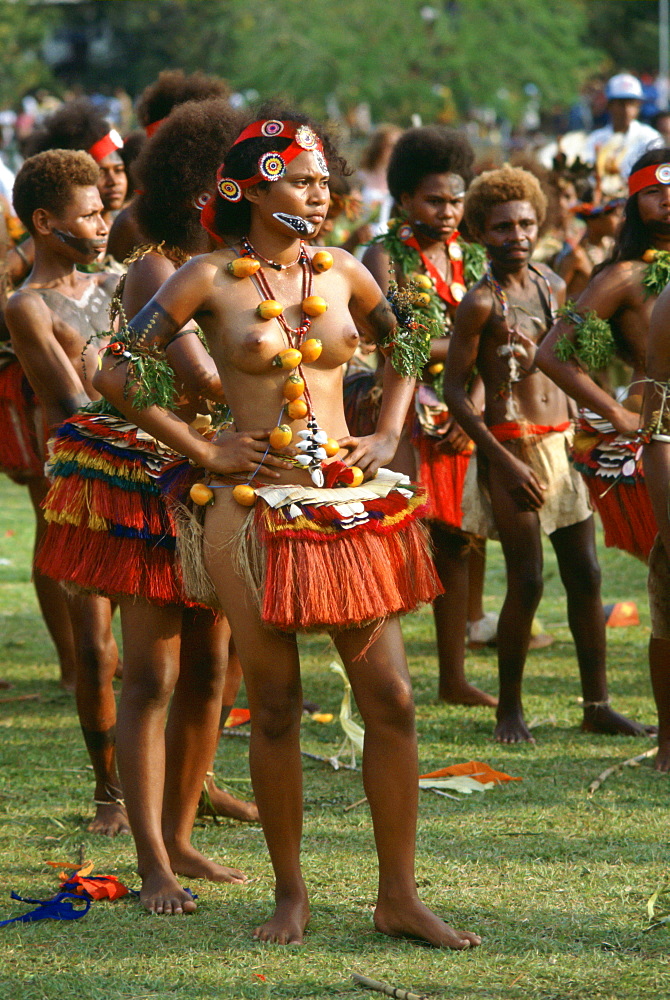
x=173, y=87
x=76, y=125
x=178, y=165
x=241, y=161
x=430, y=149
x=47, y=180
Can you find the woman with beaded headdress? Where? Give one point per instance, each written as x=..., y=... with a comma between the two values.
x=111, y=532
x=293, y=537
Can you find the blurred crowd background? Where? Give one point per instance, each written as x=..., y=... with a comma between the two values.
x=527, y=80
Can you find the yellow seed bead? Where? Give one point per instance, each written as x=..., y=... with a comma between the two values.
x=311, y=350
x=201, y=494
x=294, y=386
x=322, y=261
x=269, y=309
x=288, y=358
x=314, y=305
x=297, y=409
x=245, y=495
x=422, y=281
x=243, y=267
x=280, y=436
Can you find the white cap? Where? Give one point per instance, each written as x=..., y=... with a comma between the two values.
x=624, y=86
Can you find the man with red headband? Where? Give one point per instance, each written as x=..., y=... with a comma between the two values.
x=303, y=528
x=621, y=295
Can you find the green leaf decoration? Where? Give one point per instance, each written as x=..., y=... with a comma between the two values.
x=657, y=273
x=410, y=340
x=593, y=346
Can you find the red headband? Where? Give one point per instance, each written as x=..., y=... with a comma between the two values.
x=271, y=165
x=109, y=143
x=151, y=128
x=655, y=173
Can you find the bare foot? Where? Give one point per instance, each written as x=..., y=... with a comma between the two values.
x=161, y=893
x=512, y=728
x=603, y=719
x=466, y=694
x=192, y=864
x=540, y=641
x=287, y=924
x=110, y=819
x=215, y=801
x=662, y=761
x=417, y=921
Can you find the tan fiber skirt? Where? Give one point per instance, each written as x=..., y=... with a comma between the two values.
x=566, y=499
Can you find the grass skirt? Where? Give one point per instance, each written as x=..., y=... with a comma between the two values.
x=19, y=455
x=109, y=529
x=333, y=559
x=612, y=469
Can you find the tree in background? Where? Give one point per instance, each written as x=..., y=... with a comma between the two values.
x=23, y=30
x=401, y=57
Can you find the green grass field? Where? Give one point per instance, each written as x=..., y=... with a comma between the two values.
x=554, y=881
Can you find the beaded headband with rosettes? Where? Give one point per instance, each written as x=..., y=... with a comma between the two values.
x=271, y=165
x=655, y=173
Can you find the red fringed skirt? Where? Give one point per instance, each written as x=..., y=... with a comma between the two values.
x=19, y=455
x=339, y=565
x=109, y=530
x=442, y=475
x=612, y=469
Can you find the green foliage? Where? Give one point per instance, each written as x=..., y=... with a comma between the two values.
x=657, y=273
x=410, y=340
x=593, y=346
x=23, y=28
x=323, y=55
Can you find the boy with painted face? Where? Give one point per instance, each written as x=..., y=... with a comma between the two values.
x=522, y=446
x=57, y=319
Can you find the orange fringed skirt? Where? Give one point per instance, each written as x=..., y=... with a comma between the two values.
x=612, y=469
x=19, y=455
x=338, y=565
x=443, y=476
x=109, y=529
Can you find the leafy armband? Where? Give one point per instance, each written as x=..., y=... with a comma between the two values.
x=657, y=272
x=409, y=340
x=593, y=346
x=149, y=377
x=474, y=262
